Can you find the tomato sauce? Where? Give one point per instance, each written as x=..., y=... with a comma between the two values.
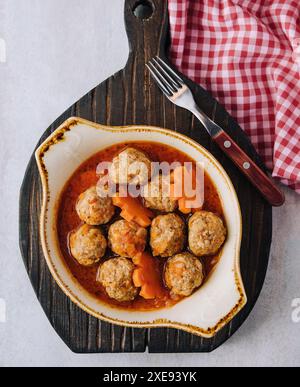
x=67, y=221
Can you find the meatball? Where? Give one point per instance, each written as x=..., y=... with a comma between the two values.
x=207, y=233
x=130, y=167
x=167, y=235
x=115, y=275
x=157, y=195
x=127, y=238
x=87, y=245
x=183, y=274
x=93, y=209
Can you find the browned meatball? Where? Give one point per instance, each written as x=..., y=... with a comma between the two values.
x=131, y=166
x=207, y=233
x=157, y=195
x=87, y=245
x=127, y=238
x=93, y=209
x=115, y=275
x=183, y=274
x=167, y=235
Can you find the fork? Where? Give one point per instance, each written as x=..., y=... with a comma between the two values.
x=175, y=89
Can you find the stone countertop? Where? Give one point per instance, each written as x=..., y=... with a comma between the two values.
x=56, y=50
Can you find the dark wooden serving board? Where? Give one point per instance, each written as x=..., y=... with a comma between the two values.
x=130, y=97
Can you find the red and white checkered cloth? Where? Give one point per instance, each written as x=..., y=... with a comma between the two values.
x=247, y=54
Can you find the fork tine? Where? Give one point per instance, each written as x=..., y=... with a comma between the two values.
x=167, y=67
x=162, y=85
x=167, y=80
x=175, y=82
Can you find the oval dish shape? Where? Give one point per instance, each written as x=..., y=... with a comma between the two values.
x=211, y=307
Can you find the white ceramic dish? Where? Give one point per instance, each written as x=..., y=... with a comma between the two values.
x=207, y=310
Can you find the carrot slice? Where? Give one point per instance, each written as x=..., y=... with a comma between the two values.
x=133, y=210
x=127, y=216
x=183, y=207
x=187, y=186
x=147, y=276
x=138, y=278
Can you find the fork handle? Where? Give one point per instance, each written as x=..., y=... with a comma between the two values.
x=247, y=166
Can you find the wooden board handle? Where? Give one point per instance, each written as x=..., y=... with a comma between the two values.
x=143, y=21
x=247, y=166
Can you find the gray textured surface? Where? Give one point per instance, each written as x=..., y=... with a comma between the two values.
x=56, y=51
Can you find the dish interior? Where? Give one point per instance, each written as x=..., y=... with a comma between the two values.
x=68, y=221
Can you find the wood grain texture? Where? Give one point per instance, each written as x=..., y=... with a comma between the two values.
x=130, y=97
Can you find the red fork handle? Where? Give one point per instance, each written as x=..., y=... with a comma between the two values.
x=257, y=177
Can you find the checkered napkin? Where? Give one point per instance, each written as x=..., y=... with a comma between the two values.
x=247, y=54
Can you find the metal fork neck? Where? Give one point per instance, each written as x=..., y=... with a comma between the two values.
x=212, y=128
